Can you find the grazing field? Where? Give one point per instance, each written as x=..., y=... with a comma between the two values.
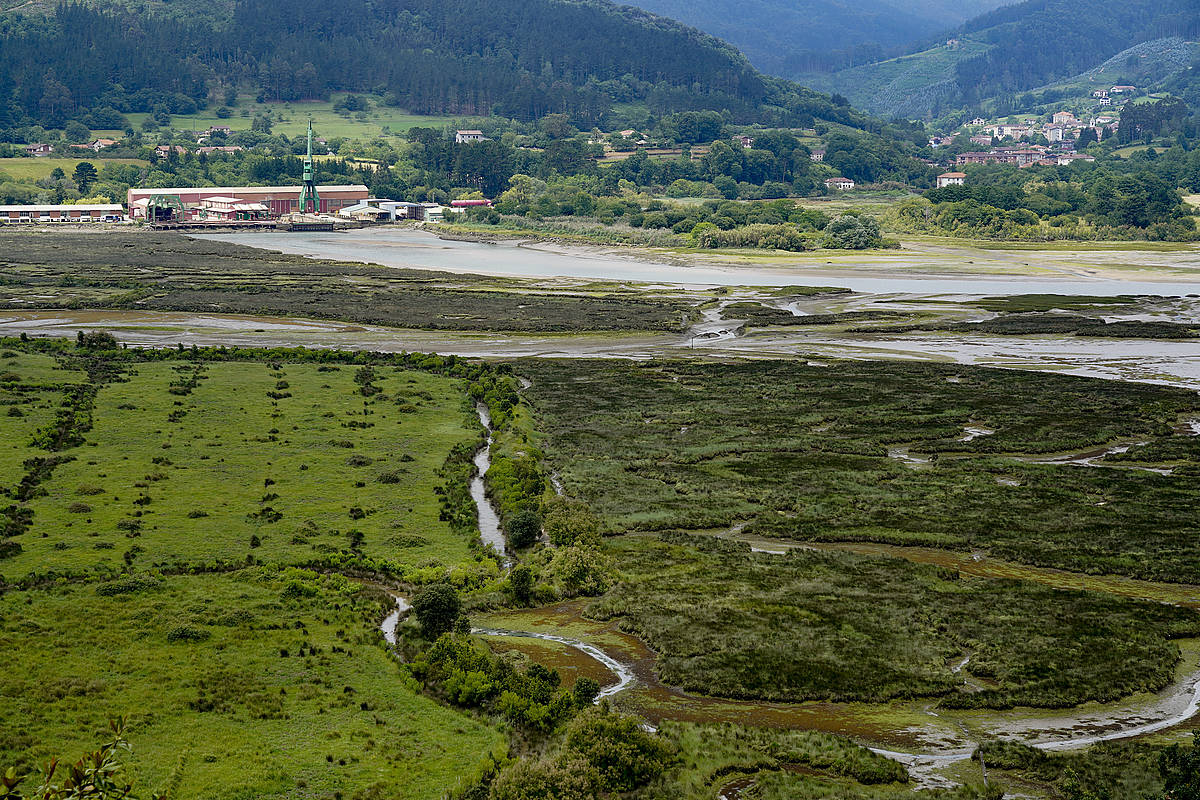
x=291, y=119
x=169, y=272
x=192, y=463
x=156, y=506
x=264, y=683
x=805, y=625
x=878, y=451
x=35, y=169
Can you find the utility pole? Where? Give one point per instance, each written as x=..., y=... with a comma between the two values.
x=309, y=202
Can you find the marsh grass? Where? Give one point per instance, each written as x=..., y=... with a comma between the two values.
x=832, y=626
x=801, y=451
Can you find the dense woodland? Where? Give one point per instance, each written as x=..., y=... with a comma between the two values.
x=519, y=60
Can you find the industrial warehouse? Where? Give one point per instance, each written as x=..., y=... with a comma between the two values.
x=231, y=203
x=307, y=207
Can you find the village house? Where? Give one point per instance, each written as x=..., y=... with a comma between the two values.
x=231, y=148
x=817, y=155
x=951, y=179
x=940, y=141
x=981, y=139
x=469, y=137
x=100, y=144
x=1054, y=133
x=1100, y=93
x=1122, y=89
x=1064, y=118
x=746, y=141
x=1106, y=101
x=1064, y=159
x=39, y=150
x=840, y=184
x=164, y=150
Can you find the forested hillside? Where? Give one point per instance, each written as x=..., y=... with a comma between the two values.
x=517, y=59
x=1008, y=51
x=789, y=37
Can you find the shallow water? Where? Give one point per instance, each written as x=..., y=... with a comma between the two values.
x=489, y=521
x=407, y=247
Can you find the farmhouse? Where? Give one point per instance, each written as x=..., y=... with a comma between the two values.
x=38, y=150
x=817, y=155
x=951, y=179
x=469, y=137
x=841, y=184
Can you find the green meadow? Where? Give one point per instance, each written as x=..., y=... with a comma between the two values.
x=264, y=683
x=196, y=463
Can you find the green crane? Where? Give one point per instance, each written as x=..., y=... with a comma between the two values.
x=309, y=202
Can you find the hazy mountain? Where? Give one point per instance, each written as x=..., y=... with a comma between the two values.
x=785, y=37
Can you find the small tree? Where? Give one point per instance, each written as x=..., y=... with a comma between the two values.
x=85, y=176
x=437, y=608
x=585, y=691
x=524, y=528
x=520, y=583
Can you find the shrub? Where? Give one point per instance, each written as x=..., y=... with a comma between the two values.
x=129, y=585
x=186, y=633
x=624, y=756
x=570, y=522
x=436, y=608
x=524, y=529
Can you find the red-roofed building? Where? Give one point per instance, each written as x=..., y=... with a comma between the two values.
x=951, y=179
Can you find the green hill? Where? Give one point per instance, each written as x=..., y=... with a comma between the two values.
x=1015, y=49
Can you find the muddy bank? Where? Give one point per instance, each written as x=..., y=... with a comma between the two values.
x=1168, y=363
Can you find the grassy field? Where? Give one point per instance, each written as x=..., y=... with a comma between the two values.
x=169, y=272
x=732, y=623
x=226, y=471
x=326, y=122
x=34, y=169
x=826, y=452
x=177, y=494
x=264, y=683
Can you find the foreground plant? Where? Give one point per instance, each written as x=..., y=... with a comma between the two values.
x=99, y=775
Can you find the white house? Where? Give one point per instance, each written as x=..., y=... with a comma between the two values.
x=469, y=137
x=951, y=179
x=841, y=184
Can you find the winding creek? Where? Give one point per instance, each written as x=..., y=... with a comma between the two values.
x=944, y=743
x=489, y=521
